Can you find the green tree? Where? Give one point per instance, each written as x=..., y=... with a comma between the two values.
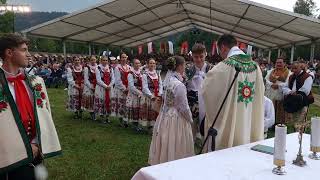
x=306, y=7
x=6, y=21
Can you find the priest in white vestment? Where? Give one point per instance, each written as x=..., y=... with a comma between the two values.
x=241, y=120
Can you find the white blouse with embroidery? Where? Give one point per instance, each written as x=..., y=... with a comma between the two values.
x=131, y=86
x=117, y=76
x=99, y=78
x=145, y=85
x=176, y=96
x=86, y=76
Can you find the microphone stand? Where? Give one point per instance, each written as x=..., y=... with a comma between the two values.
x=213, y=132
x=33, y=66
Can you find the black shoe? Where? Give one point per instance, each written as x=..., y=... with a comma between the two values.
x=93, y=116
x=125, y=125
x=138, y=129
x=121, y=123
x=76, y=116
x=80, y=114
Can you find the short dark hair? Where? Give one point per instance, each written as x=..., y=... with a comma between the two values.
x=10, y=41
x=227, y=40
x=198, y=48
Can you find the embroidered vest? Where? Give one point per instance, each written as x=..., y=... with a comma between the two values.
x=105, y=76
x=137, y=79
x=92, y=77
x=300, y=79
x=78, y=77
x=124, y=76
x=153, y=85
x=190, y=72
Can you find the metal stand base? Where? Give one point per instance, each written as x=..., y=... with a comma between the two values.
x=279, y=171
x=299, y=161
x=314, y=156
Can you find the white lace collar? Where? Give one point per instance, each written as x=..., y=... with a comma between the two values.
x=152, y=74
x=235, y=50
x=136, y=72
x=104, y=68
x=76, y=69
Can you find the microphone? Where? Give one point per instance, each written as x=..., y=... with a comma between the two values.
x=212, y=131
x=237, y=68
x=33, y=66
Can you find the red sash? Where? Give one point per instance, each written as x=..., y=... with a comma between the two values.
x=139, y=81
x=24, y=105
x=156, y=87
x=92, y=78
x=124, y=76
x=107, y=80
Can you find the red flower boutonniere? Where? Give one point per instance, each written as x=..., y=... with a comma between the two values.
x=3, y=103
x=39, y=95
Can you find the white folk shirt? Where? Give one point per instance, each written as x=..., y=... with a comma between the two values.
x=306, y=88
x=196, y=81
x=269, y=116
x=195, y=84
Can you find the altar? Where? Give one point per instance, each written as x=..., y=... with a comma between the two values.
x=237, y=163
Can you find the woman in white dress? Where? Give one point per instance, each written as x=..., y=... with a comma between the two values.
x=152, y=91
x=103, y=91
x=134, y=95
x=75, y=87
x=121, y=72
x=90, y=82
x=172, y=134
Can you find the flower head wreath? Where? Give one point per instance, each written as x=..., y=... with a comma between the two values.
x=172, y=62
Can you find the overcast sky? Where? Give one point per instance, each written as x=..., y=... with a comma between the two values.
x=74, y=5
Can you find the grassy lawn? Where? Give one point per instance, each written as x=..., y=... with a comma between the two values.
x=92, y=150
x=95, y=151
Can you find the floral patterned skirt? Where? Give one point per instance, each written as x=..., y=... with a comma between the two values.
x=74, y=99
x=118, y=102
x=88, y=99
x=100, y=106
x=148, y=112
x=133, y=112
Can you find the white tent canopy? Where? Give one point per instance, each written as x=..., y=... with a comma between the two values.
x=130, y=23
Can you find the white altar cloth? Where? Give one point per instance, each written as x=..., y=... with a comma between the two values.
x=237, y=163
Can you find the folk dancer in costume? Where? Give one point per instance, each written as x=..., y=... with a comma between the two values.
x=195, y=76
x=121, y=73
x=103, y=91
x=113, y=62
x=299, y=88
x=90, y=82
x=172, y=137
x=275, y=80
x=27, y=131
x=269, y=117
x=241, y=118
x=152, y=90
x=75, y=87
x=134, y=95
